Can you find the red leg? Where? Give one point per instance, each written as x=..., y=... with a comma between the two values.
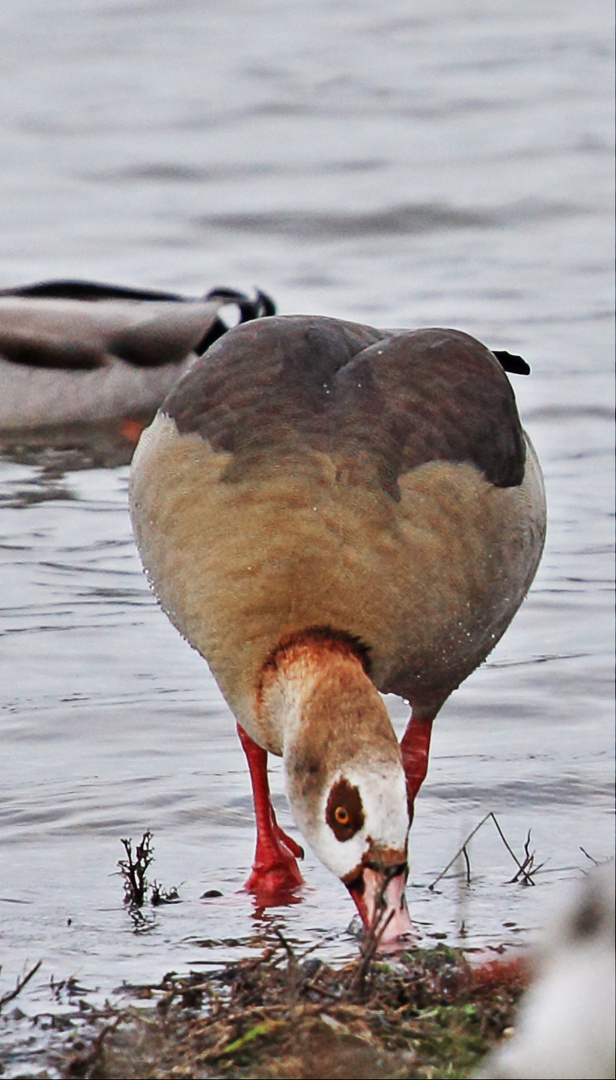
x=415, y=748
x=275, y=871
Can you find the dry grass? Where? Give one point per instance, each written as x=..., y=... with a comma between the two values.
x=427, y=1014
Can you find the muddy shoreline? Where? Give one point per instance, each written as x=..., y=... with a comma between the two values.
x=420, y=1014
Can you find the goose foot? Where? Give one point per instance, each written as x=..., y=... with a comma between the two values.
x=275, y=873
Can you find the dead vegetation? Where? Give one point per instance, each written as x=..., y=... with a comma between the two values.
x=19, y=985
x=134, y=869
x=426, y=1014
x=137, y=888
x=283, y=1016
x=526, y=867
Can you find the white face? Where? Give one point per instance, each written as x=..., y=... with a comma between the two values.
x=360, y=815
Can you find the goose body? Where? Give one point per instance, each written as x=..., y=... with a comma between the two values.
x=327, y=511
x=74, y=350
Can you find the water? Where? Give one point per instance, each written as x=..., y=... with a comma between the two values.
x=392, y=165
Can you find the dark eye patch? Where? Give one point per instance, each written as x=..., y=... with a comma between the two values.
x=344, y=812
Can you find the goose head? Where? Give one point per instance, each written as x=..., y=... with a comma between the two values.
x=343, y=770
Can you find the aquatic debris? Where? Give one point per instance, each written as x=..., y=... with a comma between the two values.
x=159, y=895
x=284, y=1016
x=526, y=867
x=19, y=985
x=133, y=870
x=136, y=885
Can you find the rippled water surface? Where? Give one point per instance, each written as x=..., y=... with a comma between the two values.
x=395, y=164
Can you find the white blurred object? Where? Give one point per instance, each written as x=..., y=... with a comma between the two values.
x=566, y=1028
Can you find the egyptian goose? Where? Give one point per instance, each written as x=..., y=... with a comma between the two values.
x=326, y=511
x=76, y=350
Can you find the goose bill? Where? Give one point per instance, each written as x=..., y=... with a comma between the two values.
x=380, y=899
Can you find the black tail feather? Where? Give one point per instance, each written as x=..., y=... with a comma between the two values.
x=510, y=362
x=259, y=308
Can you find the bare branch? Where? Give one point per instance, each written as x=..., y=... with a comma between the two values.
x=525, y=868
x=12, y=994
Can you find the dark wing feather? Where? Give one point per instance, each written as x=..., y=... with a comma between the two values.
x=392, y=400
x=87, y=290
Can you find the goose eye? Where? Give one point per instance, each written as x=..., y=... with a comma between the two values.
x=344, y=812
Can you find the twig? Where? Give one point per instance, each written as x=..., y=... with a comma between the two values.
x=12, y=994
x=79, y=1064
x=458, y=852
x=159, y=895
x=134, y=870
x=288, y=948
x=528, y=866
x=372, y=939
x=525, y=869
